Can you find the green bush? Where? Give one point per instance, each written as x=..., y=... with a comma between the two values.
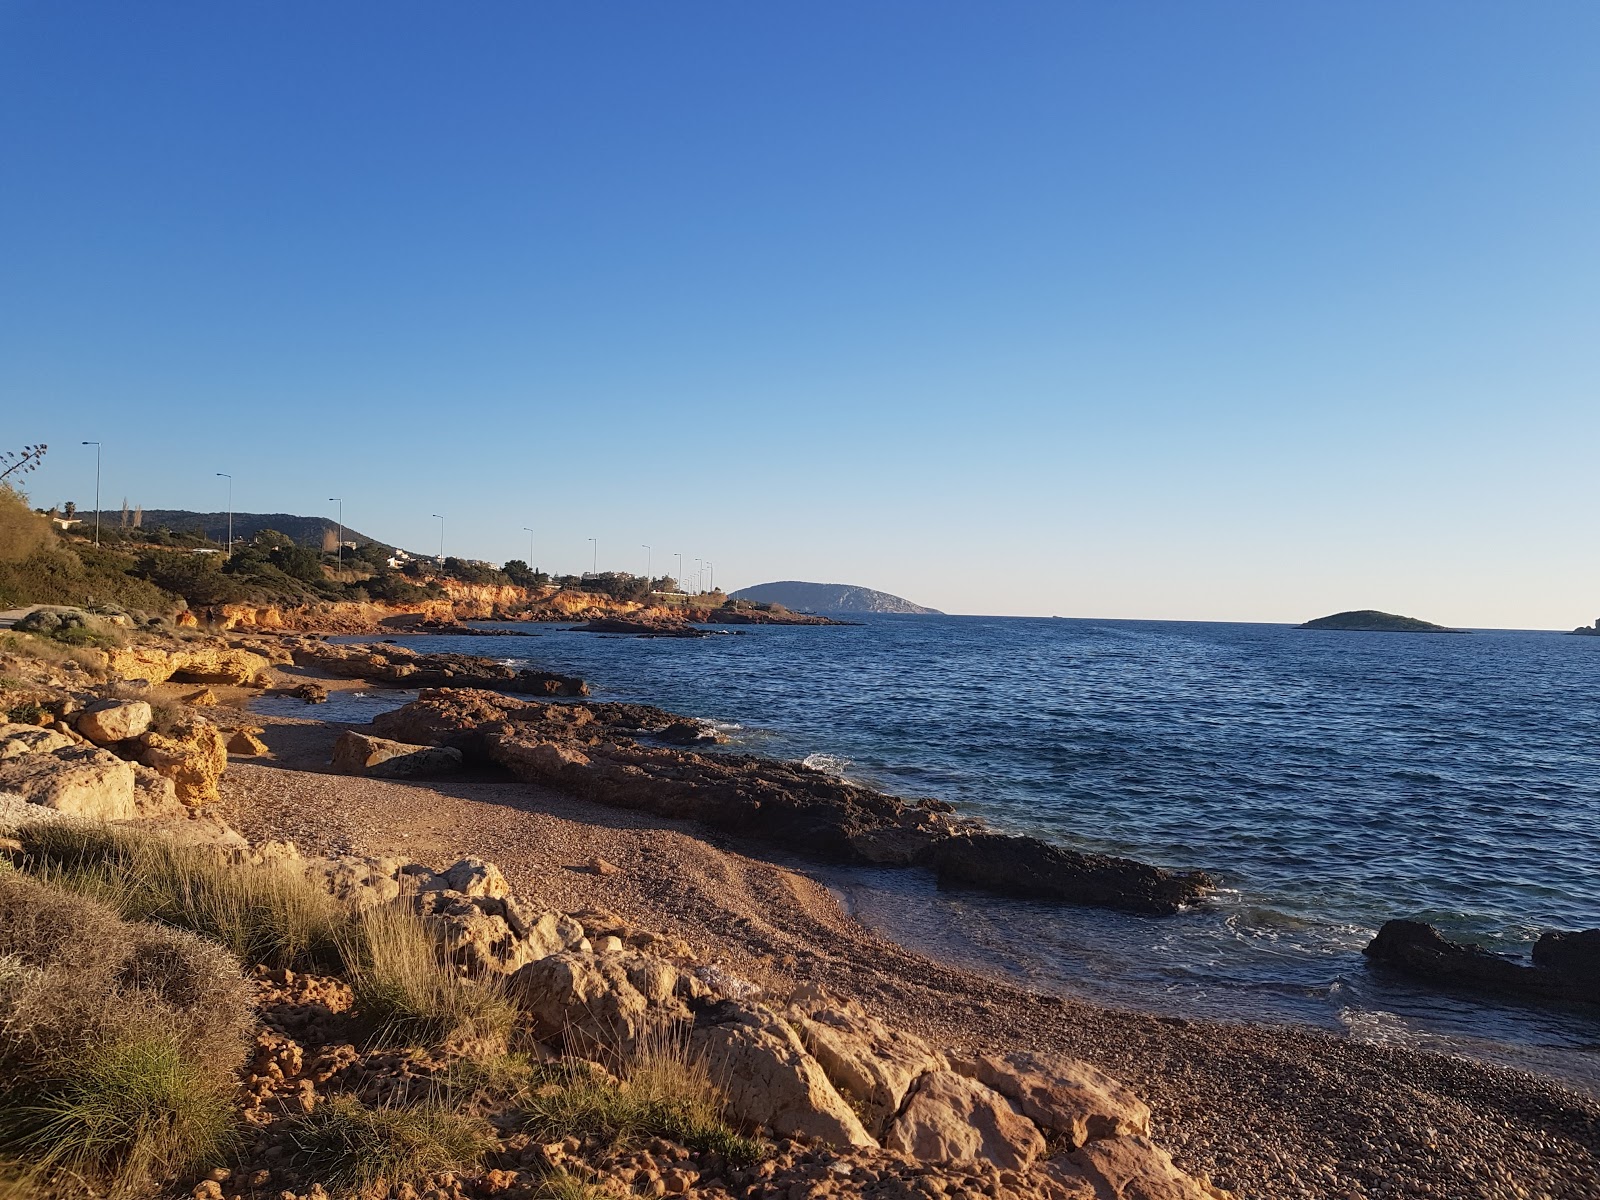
x=23, y=532
x=119, y=1043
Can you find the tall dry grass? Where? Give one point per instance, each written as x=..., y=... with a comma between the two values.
x=268, y=915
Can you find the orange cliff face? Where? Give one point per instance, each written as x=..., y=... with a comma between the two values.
x=461, y=602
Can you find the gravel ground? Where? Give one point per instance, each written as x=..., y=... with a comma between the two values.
x=1266, y=1111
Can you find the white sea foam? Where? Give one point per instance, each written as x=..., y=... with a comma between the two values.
x=828, y=764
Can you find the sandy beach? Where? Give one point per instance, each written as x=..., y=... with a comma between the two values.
x=1265, y=1111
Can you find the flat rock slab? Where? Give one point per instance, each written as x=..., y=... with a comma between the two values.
x=361, y=754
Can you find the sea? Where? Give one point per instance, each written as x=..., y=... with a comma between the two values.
x=1329, y=780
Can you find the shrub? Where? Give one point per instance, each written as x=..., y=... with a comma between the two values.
x=118, y=1042
x=404, y=985
x=269, y=915
x=27, y=713
x=360, y=1150
x=664, y=1093
x=23, y=532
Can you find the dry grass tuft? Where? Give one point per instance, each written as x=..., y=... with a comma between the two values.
x=264, y=914
x=359, y=1151
x=664, y=1092
x=406, y=987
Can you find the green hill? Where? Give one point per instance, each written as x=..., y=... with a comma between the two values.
x=828, y=597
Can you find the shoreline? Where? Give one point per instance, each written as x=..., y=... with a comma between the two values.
x=1267, y=1110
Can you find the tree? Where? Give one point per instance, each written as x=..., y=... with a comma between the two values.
x=19, y=462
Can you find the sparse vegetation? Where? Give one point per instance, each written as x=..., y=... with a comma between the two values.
x=664, y=1092
x=356, y=1150
x=118, y=1043
x=264, y=914
x=411, y=994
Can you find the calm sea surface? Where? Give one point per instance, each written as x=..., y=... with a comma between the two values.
x=1330, y=780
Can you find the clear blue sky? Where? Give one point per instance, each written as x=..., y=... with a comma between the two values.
x=1196, y=310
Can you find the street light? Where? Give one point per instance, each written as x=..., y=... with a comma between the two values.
x=339, y=500
x=699, y=577
x=96, y=446
x=528, y=529
x=229, y=478
x=441, y=539
x=679, y=556
x=710, y=566
x=594, y=565
x=647, y=554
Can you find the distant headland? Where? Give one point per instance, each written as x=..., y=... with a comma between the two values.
x=1370, y=620
x=829, y=597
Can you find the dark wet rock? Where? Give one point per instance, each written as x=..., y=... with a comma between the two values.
x=593, y=750
x=1565, y=969
x=1026, y=866
x=400, y=665
x=641, y=627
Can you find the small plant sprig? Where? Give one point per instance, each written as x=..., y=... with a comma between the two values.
x=20, y=462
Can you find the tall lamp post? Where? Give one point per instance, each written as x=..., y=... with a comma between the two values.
x=699, y=577
x=528, y=529
x=339, y=546
x=441, y=539
x=648, y=553
x=229, y=478
x=594, y=565
x=711, y=567
x=96, y=446
x=679, y=556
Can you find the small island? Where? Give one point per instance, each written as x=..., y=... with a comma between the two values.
x=1370, y=620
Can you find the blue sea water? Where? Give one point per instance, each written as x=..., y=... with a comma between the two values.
x=1329, y=780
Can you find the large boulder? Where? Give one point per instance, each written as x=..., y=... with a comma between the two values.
x=948, y=1116
x=1126, y=1168
x=871, y=1064
x=769, y=1078
x=18, y=740
x=601, y=1003
x=108, y=721
x=1065, y=1096
x=193, y=756
x=190, y=663
x=82, y=781
x=361, y=754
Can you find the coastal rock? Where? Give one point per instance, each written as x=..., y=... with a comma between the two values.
x=648, y=627
x=109, y=721
x=1128, y=1168
x=1573, y=956
x=604, y=1004
x=869, y=1063
x=768, y=1076
x=358, y=881
x=190, y=663
x=591, y=750
x=246, y=744
x=193, y=756
x=482, y=935
x=397, y=664
x=949, y=1116
x=1026, y=866
x=1564, y=963
x=80, y=781
x=474, y=877
x=1065, y=1096
x=360, y=754
x=17, y=740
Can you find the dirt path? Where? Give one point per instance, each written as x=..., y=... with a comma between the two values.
x=1270, y=1112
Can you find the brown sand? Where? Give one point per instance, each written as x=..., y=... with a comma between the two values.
x=1267, y=1111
